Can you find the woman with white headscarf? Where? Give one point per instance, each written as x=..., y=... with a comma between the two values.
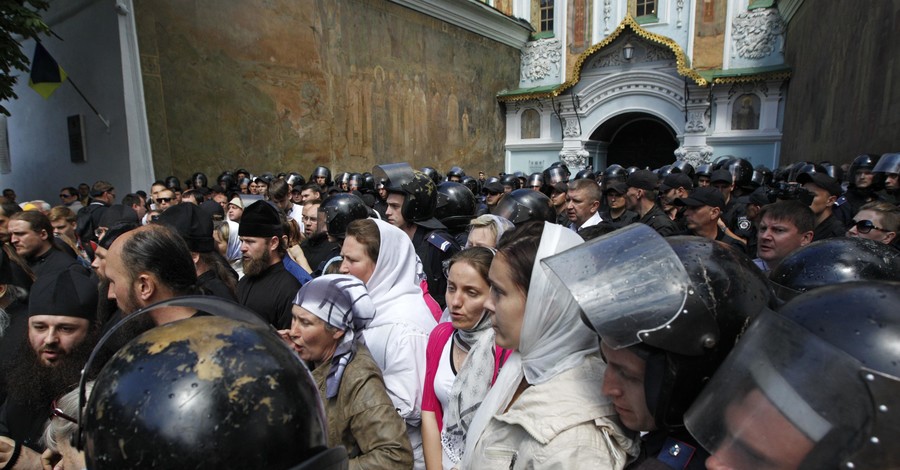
x=329, y=315
x=383, y=257
x=229, y=244
x=545, y=410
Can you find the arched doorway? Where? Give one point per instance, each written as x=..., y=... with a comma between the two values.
x=637, y=139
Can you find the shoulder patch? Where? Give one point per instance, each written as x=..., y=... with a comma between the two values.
x=743, y=223
x=443, y=242
x=841, y=201
x=676, y=454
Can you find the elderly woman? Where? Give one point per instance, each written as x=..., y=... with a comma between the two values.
x=329, y=314
x=487, y=229
x=61, y=428
x=545, y=410
x=383, y=257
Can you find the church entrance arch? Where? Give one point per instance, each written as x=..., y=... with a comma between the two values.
x=637, y=139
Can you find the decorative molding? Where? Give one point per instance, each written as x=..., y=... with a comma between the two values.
x=607, y=14
x=541, y=59
x=696, y=156
x=572, y=128
x=696, y=121
x=576, y=160
x=477, y=17
x=643, y=52
x=755, y=33
x=679, y=6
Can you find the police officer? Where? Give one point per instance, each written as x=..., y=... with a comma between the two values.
x=862, y=188
x=411, y=201
x=814, y=386
x=455, y=209
x=889, y=167
x=665, y=326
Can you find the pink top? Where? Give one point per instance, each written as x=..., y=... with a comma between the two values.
x=436, y=342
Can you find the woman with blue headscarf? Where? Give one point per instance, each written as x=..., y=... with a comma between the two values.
x=329, y=315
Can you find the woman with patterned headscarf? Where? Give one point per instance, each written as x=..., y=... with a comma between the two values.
x=329, y=315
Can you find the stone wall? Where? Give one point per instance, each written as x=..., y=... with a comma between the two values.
x=844, y=94
x=285, y=85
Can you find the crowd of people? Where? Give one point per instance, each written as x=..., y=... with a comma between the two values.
x=723, y=316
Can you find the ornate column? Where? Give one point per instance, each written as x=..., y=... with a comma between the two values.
x=694, y=148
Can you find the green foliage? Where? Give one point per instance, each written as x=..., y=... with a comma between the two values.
x=19, y=20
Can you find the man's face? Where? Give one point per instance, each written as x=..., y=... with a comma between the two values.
x=491, y=198
x=633, y=198
x=61, y=226
x=702, y=181
x=759, y=436
x=310, y=219
x=863, y=178
x=623, y=383
x=699, y=218
x=615, y=200
x=108, y=196
x=394, y=210
x=140, y=209
x=222, y=200
x=725, y=189
x=27, y=242
x=10, y=194
x=155, y=190
x=284, y=203
x=579, y=207
x=822, y=200
x=481, y=175
x=99, y=263
x=165, y=199
x=308, y=194
x=67, y=197
x=507, y=188
x=297, y=197
x=320, y=180
x=558, y=198
x=52, y=337
x=256, y=254
x=877, y=233
x=891, y=182
x=778, y=238
x=122, y=286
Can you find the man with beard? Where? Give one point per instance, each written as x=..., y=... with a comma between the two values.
x=267, y=288
x=61, y=334
x=32, y=236
x=148, y=265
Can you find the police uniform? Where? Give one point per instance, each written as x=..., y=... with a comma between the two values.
x=658, y=220
x=433, y=248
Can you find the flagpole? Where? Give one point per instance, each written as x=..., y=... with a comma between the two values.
x=102, y=119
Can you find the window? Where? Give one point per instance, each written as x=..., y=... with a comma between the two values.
x=546, y=9
x=645, y=8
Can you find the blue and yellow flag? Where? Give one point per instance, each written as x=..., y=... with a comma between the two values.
x=46, y=74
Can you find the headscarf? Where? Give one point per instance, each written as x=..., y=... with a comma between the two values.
x=233, y=248
x=553, y=338
x=394, y=285
x=343, y=302
x=502, y=225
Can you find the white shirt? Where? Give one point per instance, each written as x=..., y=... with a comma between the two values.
x=594, y=220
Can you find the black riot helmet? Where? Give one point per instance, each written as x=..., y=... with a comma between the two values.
x=522, y=177
x=226, y=182
x=681, y=302
x=556, y=174
x=455, y=172
x=614, y=172
x=511, y=181
x=630, y=171
x=173, y=183
x=865, y=161
x=293, y=179
x=685, y=168
x=666, y=170
x=433, y=174
x=470, y=183
x=459, y=208
x=821, y=375
x=523, y=205
x=834, y=261
x=762, y=176
x=741, y=170
x=832, y=170
x=354, y=181
x=420, y=196
x=536, y=180
x=340, y=209
x=586, y=173
x=888, y=163
x=322, y=171
x=198, y=393
x=368, y=183
x=199, y=180
x=705, y=169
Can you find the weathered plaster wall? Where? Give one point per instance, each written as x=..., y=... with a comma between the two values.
x=844, y=96
x=284, y=85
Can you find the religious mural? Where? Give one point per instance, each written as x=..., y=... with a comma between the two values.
x=283, y=85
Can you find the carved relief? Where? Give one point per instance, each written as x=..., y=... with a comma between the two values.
x=572, y=129
x=607, y=14
x=541, y=58
x=696, y=122
x=655, y=53
x=679, y=6
x=696, y=156
x=576, y=160
x=756, y=32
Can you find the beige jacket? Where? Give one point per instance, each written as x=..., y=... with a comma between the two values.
x=565, y=423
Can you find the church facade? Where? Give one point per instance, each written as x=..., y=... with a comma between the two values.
x=645, y=82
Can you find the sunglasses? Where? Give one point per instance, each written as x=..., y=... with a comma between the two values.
x=491, y=193
x=55, y=412
x=63, y=196
x=164, y=199
x=865, y=226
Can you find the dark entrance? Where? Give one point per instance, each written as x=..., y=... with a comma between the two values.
x=637, y=139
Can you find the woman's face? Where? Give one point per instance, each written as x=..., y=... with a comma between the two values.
x=467, y=292
x=507, y=301
x=312, y=341
x=482, y=236
x=252, y=186
x=356, y=262
x=235, y=213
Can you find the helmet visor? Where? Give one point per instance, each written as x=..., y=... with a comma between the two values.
x=783, y=396
x=394, y=175
x=629, y=283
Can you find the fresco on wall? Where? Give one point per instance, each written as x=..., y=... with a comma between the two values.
x=284, y=85
x=709, y=36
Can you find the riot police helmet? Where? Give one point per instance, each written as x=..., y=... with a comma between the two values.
x=419, y=191
x=523, y=205
x=340, y=209
x=459, y=206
